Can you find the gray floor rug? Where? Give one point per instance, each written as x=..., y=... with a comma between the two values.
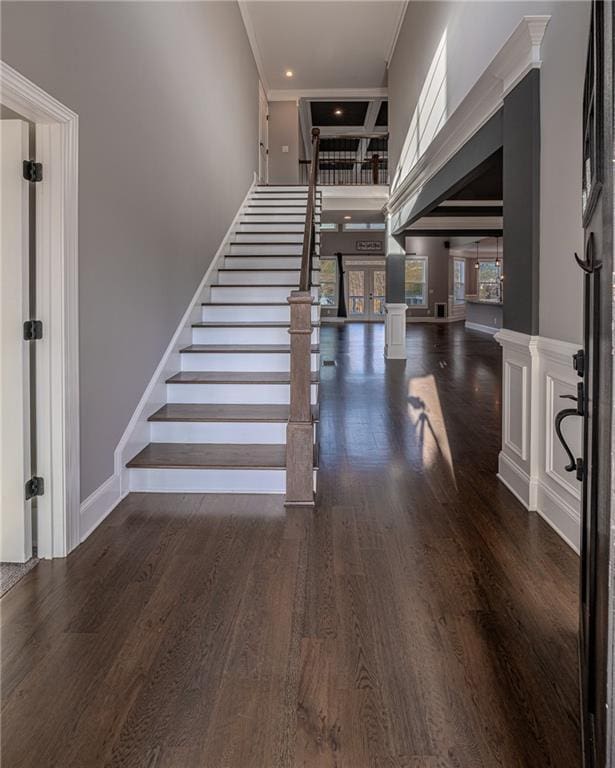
x=11, y=573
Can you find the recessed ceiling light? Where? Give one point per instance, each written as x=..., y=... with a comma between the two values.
x=348, y=218
x=289, y=73
x=338, y=112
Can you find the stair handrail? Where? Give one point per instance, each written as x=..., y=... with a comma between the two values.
x=309, y=236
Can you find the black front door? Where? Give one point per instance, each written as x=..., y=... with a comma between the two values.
x=595, y=368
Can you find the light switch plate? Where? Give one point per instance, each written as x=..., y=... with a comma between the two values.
x=285, y=149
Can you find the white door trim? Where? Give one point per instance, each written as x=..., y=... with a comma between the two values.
x=57, y=395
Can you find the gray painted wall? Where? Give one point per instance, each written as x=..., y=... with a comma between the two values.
x=283, y=131
x=484, y=314
x=482, y=28
x=437, y=271
x=167, y=97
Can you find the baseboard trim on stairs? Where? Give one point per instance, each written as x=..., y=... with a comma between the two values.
x=137, y=433
x=99, y=504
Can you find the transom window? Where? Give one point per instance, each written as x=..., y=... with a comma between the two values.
x=416, y=281
x=372, y=226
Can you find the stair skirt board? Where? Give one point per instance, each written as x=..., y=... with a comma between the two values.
x=245, y=335
x=246, y=312
x=209, y=480
x=249, y=294
x=240, y=361
x=228, y=394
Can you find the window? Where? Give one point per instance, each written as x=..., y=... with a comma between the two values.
x=459, y=281
x=416, y=281
x=328, y=226
x=372, y=226
x=328, y=282
x=489, y=284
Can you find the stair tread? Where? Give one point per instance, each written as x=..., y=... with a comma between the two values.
x=249, y=304
x=224, y=412
x=246, y=324
x=231, y=348
x=234, y=377
x=209, y=456
x=259, y=285
x=264, y=269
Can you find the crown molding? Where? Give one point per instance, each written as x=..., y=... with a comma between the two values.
x=249, y=27
x=398, y=25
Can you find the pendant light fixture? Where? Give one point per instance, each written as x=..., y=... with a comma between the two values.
x=476, y=263
x=497, y=251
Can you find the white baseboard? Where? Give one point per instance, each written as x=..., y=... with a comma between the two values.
x=482, y=328
x=517, y=481
x=563, y=518
x=98, y=505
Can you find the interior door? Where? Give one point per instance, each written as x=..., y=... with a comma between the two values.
x=15, y=463
x=263, y=136
x=594, y=397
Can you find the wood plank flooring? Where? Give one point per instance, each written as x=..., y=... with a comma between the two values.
x=419, y=618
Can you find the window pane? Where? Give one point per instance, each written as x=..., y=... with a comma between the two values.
x=415, y=285
x=328, y=282
x=489, y=281
x=356, y=291
x=379, y=291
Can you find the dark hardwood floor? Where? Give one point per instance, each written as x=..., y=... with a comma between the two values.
x=420, y=618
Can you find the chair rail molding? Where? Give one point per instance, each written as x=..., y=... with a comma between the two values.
x=519, y=54
x=536, y=373
x=57, y=388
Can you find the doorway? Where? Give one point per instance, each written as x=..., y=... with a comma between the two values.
x=365, y=290
x=263, y=136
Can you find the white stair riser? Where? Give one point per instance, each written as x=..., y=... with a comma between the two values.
x=281, y=188
x=284, y=249
x=256, y=335
x=265, y=262
x=208, y=480
x=293, y=238
x=301, y=194
x=280, y=206
x=240, y=361
x=229, y=394
x=252, y=294
x=235, y=313
x=273, y=226
x=244, y=432
x=261, y=277
x=275, y=220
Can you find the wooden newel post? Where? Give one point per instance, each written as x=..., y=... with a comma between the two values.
x=300, y=428
x=375, y=168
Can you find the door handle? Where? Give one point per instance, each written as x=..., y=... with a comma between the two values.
x=573, y=463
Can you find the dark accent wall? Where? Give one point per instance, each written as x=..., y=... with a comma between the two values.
x=521, y=176
x=516, y=129
x=395, y=270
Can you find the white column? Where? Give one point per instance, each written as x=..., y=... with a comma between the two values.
x=395, y=318
x=395, y=332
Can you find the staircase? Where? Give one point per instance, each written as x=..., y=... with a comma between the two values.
x=223, y=428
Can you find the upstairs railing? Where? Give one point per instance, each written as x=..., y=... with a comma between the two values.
x=350, y=160
x=300, y=427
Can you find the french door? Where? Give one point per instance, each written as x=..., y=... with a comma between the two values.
x=365, y=291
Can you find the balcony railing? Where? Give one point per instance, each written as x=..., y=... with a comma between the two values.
x=350, y=160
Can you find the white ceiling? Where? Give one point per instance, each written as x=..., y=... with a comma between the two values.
x=330, y=45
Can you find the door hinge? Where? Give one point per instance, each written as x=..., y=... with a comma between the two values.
x=35, y=487
x=32, y=171
x=33, y=330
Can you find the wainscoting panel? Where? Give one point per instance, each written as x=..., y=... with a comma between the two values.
x=537, y=376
